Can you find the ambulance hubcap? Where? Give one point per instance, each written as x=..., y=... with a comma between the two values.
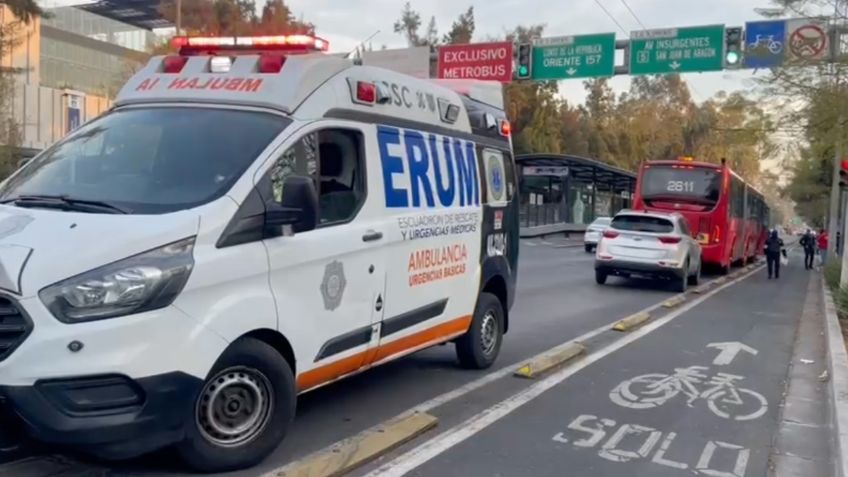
x=489, y=335
x=234, y=407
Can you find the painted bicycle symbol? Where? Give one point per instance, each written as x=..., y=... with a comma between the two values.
x=768, y=42
x=723, y=397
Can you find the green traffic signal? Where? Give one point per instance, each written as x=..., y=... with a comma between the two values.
x=732, y=57
x=522, y=70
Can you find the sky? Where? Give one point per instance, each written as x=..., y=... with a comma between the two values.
x=346, y=23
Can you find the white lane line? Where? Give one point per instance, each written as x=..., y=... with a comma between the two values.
x=437, y=401
x=482, y=381
x=450, y=438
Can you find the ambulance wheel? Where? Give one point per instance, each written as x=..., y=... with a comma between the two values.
x=243, y=411
x=480, y=345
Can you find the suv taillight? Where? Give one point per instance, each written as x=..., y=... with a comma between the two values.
x=670, y=240
x=610, y=234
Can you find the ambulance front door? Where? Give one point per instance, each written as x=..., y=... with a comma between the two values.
x=328, y=282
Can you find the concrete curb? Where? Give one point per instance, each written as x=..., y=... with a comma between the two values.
x=360, y=449
x=631, y=321
x=837, y=367
x=549, y=361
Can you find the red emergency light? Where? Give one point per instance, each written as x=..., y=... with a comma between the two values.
x=216, y=44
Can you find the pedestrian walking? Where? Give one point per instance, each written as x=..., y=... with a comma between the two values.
x=822, y=242
x=808, y=243
x=774, y=247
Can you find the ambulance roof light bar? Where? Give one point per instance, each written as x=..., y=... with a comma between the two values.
x=269, y=42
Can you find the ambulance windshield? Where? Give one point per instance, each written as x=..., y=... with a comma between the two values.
x=149, y=160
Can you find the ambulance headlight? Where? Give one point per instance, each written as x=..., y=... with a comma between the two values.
x=143, y=282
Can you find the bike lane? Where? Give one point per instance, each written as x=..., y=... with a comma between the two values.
x=700, y=395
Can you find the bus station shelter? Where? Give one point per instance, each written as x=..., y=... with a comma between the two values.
x=571, y=191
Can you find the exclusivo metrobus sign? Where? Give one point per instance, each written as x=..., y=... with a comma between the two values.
x=480, y=61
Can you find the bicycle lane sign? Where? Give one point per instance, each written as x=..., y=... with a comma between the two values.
x=722, y=392
x=765, y=44
x=710, y=386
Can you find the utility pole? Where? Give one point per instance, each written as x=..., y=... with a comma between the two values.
x=833, y=220
x=179, y=21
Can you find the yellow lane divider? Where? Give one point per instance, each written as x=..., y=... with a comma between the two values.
x=631, y=321
x=674, y=302
x=359, y=449
x=548, y=361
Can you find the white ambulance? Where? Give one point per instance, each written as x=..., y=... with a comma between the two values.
x=239, y=229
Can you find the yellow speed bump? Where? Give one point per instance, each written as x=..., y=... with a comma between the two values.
x=674, y=302
x=701, y=289
x=548, y=361
x=364, y=447
x=631, y=321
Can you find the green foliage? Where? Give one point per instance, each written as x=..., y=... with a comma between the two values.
x=235, y=17
x=832, y=273
x=25, y=10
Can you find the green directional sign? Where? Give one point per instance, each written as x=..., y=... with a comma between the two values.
x=677, y=50
x=582, y=56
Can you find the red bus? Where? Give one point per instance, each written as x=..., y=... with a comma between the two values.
x=729, y=218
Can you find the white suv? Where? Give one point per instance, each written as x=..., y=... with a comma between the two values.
x=655, y=245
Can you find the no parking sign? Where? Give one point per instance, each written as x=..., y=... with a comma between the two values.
x=807, y=40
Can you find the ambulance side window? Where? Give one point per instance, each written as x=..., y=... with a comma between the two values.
x=334, y=159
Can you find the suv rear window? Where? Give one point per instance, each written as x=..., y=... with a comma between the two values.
x=642, y=223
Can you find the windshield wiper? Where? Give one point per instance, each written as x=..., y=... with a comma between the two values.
x=64, y=202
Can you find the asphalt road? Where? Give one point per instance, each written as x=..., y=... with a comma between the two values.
x=699, y=391
x=557, y=301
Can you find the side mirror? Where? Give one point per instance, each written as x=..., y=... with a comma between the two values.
x=298, y=207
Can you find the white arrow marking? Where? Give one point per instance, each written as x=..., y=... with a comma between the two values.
x=674, y=65
x=571, y=71
x=729, y=351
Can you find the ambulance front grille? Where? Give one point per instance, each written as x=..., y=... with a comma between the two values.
x=15, y=326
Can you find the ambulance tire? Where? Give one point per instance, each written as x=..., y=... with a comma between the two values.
x=252, y=368
x=479, y=346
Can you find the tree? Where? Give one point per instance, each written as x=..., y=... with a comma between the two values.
x=25, y=10
x=462, y=30
x=11, y=30
x=408, y=25
x=235, y=17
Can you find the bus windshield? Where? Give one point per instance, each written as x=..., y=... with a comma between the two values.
x=700, y=185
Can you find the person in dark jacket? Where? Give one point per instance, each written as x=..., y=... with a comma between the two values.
x=808, y=242
x=774, y=247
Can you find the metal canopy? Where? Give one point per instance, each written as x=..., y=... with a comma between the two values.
x=582, y=169
x=138, y=13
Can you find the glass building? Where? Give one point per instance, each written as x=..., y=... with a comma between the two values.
x=87, y=52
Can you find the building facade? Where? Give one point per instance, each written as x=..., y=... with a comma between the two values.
x=70, y=65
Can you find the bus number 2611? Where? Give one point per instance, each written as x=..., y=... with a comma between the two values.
x=680, y=186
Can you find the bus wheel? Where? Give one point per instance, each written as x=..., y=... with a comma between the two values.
x=725, y=269
x=243, y=411
x=480, y=345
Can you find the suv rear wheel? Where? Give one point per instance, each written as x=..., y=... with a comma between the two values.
x=695, y=279
x=680, y=283
x=600, y=277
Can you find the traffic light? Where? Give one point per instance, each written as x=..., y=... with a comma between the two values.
x=732, y=47
x=524, y=63
x=843, y=173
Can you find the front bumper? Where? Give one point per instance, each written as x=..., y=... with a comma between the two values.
x=111, y=416
x=642, y=268
x=124, y=389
